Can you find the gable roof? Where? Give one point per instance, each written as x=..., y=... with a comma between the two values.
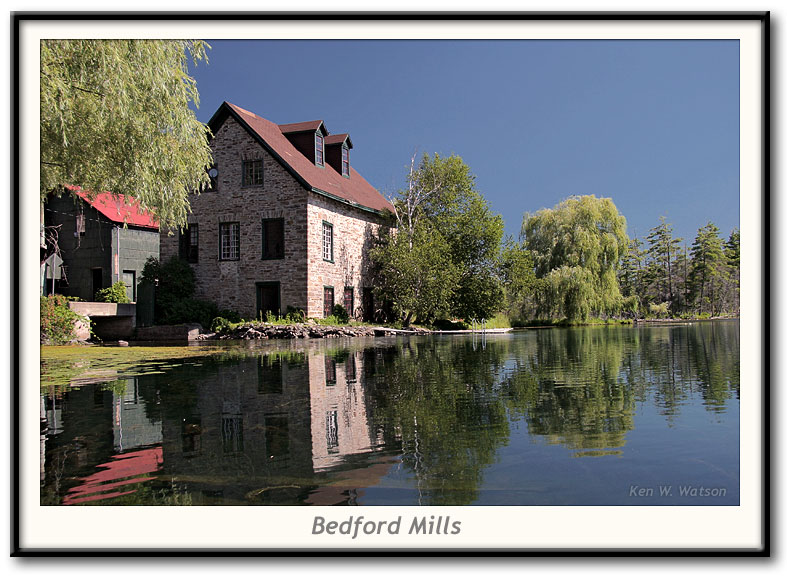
x=118, y=209
x=303, y=126
x=355, y=191
x=339, y=139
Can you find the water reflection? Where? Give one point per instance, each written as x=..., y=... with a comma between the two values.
x=418, y=421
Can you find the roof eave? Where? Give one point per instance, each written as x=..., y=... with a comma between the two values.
x=346, y=202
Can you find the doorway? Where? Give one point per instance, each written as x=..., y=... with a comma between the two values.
x=268, y=301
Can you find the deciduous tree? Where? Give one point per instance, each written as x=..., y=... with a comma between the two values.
x=116, y=116
x=576, y=248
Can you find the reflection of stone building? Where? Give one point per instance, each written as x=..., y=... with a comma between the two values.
x=281, y=428
x=250, y=420
x=338, y=409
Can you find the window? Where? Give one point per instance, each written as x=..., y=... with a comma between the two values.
x=349, y=300
x=273, y=238
x=327, y=241
x=318, y=149
x=330, y=371
x=80, y=226
x=327, y=304
x=345, y=162
x=269, y=374
x=277, y=437
x=189, y=244
x=232, y=434
x=129, y=280
x=332, y=431
x=252, y=172
x=350, y=371
x=229, y=241
x=190, y=435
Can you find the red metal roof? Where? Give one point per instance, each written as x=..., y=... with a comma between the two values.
x=302, y=126
x=338, y=139
x=325, y=180
x=117, y=208
x=120, y=472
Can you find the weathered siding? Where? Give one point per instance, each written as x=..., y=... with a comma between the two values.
x=134, y=246
x=81, y=253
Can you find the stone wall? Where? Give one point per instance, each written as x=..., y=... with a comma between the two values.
x=233, y=284
x=353, y=230
x=301, y=276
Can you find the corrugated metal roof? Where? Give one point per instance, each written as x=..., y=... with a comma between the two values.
x=119, y=209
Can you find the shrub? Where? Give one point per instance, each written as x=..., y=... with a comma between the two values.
x=219, y=324
x=230, y=315
x=659, y=311
x=114, y=294
x=295, y=315
x=341, y=315
x=174, y=302
x=57, y=320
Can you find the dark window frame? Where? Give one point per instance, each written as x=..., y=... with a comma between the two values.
x=257, y=178
x=319, y=149
x=346, y=162
x=221, y=240
x=189, y=243
x=266, y=254
x=324, y=302
x=351, y=289
x=330, y=227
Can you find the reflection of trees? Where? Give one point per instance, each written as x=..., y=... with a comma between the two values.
x=437, y=399
x=578, y=387
x=567, y=384
x=246, y=430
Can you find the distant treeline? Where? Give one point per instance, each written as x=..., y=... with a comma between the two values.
x=445, y=257
x=669, y=277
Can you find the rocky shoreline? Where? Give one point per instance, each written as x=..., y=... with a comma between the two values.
x=250, y=331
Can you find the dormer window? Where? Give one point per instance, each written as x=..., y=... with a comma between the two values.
x=345, y=162
x=318, y=150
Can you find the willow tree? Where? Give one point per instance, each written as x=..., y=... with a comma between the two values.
x=116, y=116
x=576, y=248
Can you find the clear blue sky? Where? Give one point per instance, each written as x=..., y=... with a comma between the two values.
x=652, y=124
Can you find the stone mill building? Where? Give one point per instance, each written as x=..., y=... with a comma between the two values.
x=286, y=222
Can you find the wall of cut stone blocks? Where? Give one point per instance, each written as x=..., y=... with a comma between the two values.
x=303, y=273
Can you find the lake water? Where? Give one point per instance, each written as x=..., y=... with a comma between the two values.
x=558, y=416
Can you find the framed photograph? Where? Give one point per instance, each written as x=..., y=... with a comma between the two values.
x=452, y=283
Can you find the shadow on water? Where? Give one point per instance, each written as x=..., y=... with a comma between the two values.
x=552, y=416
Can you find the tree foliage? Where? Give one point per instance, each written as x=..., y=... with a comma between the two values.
x=415, y=273
x=663, y=251
x=447, y=243
x=115, y=117
x=708, y=270
x=670, y=279
x=576, y=248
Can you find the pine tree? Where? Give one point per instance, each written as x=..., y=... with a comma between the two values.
x=663, y=250
x=708, y=268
